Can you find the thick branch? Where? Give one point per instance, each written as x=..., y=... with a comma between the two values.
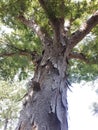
x=44, y=37
x=82, y=57
x=84, y=30
x=48, y=10
x=56, y=23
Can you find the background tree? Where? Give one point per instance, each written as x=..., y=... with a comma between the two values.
x=11, y=95
x=46, y=36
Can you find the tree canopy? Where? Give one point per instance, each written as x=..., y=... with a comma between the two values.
x=20, y=42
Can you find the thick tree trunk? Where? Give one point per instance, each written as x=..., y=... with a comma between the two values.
x=45, y=106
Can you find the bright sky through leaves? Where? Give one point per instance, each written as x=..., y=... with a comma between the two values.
x=80, y=102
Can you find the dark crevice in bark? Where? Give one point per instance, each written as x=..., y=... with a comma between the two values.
x=45, y=106
x=37, y=111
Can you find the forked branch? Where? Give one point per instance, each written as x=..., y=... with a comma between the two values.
x=57, y=23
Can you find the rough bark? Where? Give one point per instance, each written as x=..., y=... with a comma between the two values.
x=45, y=105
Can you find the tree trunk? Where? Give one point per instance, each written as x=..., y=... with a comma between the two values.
x=45, y=105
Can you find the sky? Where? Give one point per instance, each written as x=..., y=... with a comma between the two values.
x=80, y=102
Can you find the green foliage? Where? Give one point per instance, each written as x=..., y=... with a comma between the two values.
x=10, y=96
x=23, y=38
x=18, y=40
x=80, y=70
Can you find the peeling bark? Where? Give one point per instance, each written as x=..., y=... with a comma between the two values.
x=46, y=108
x=45, y=105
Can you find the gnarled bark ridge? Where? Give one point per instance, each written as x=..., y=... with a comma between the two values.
x=45, y=106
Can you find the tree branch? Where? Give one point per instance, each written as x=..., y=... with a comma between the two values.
x=35, y=58
x=82, y=57
x=17, y=51
x=13, y=54
x=57, y=23
x=48, y=10
x=43, y=35
x=77, y=36
x=79, y=56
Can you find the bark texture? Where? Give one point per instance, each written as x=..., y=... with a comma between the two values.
x=45, y=105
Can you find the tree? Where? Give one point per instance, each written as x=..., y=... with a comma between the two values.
x=48, y=33
x=10, y=103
